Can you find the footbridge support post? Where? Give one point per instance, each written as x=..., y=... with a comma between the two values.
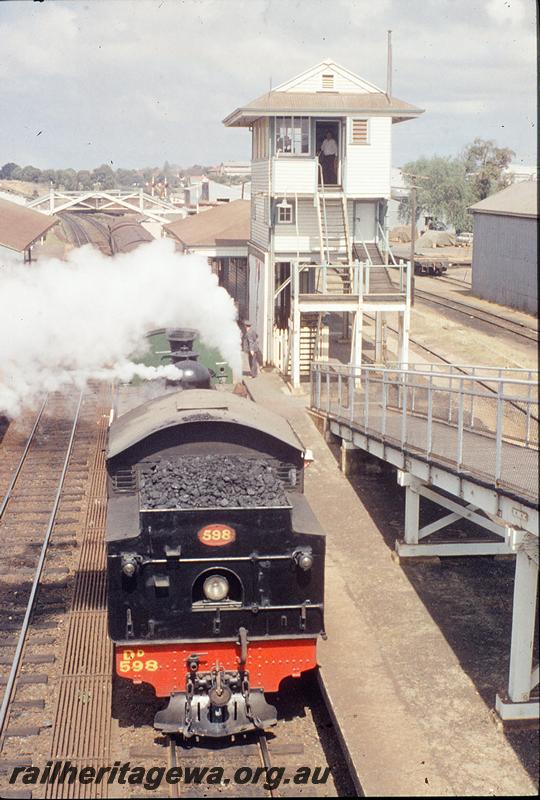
x=412, y=546
x=345, y=453
x=516, y=704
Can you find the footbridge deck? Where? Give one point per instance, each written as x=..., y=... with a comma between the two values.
x=465, y=438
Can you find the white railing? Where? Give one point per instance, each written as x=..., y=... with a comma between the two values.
x=384, y=239
x=326, y=279
x=398, y=276
x=484, y=425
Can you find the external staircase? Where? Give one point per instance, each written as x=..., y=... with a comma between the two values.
x=335, y=241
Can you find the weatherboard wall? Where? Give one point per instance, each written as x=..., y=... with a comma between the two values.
x=368, y=166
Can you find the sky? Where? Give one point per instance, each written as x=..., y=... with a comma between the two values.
x=134, y=83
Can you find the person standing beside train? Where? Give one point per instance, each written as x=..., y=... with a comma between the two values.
x=250, y=345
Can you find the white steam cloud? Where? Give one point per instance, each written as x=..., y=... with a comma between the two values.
x=67, y=322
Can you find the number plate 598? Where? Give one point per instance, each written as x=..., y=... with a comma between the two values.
x=216, y=535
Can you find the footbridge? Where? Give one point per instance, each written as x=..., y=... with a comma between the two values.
x=465, y=438
x=136, y=201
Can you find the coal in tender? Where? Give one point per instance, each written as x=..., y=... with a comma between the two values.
x=212, y=482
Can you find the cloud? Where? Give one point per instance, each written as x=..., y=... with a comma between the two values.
x=138, y=82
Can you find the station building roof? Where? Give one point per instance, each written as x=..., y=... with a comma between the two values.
x=20, y=227
x=224, y=225
x=517, y=200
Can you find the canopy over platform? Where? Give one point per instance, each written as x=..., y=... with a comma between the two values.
x=20, y=227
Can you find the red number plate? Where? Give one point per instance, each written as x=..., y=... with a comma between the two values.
x=216, y=535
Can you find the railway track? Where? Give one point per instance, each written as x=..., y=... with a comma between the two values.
x=458, y=369
x=75, y=230
x=285, y=761
x=38, y=481
x=453, y=281
x=81, y=236
x=43, y=504
x=473, y=312
x=125, y=236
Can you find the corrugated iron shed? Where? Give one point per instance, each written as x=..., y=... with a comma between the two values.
x=225, y=225
x=518, y=200
x=20, y=227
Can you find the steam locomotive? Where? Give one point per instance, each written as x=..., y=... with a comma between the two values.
x=215, y=559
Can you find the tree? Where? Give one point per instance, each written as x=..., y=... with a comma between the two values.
x=32, y=174
x=48, y=175
x=7, y=170
x=486, y=166
x=442, y=190
x=104, y=175
x=84, y=179
x=126, y=177
x=16, y=174
x=66, y=179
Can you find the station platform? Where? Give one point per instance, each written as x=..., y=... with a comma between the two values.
x=413, y=717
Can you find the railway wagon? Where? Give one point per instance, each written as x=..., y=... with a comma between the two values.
x=215, y=559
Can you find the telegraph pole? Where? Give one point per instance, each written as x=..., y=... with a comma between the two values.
x=413, y=237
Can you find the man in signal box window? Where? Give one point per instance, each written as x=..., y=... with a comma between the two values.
x=328, y=157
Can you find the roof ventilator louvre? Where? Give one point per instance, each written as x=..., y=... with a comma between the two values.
x=359, y=131
x=327, y=81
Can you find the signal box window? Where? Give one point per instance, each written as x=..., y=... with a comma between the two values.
x=285, y=213
x=292, y=135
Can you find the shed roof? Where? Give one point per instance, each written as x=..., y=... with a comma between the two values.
x=224, y=225
x=21, y=226
x=517, y=200
x=310, y=103
x=182, y=407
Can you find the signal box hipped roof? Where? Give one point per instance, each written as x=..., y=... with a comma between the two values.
x=325, y=89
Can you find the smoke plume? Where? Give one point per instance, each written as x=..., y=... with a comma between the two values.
x=67, y=322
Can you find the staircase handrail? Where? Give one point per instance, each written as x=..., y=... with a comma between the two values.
x=386, y=243
x=287, y=281
x=325, y=229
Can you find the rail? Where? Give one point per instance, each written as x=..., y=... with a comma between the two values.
x=484, y=425
x=485, y=373
x=39, y=568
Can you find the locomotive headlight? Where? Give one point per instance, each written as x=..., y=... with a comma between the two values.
x=304, y=559
x=216, y=588
x=129, y=565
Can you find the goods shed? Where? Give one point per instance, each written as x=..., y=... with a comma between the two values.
x=505, y=247
x=21, y=228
